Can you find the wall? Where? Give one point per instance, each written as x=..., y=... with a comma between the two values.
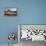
x=29, y=12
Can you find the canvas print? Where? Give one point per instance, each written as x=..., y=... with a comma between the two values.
x=10, y=12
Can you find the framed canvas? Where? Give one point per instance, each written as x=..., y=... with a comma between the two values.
x=10, y=12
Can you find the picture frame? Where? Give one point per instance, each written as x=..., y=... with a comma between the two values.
x=10, y=12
